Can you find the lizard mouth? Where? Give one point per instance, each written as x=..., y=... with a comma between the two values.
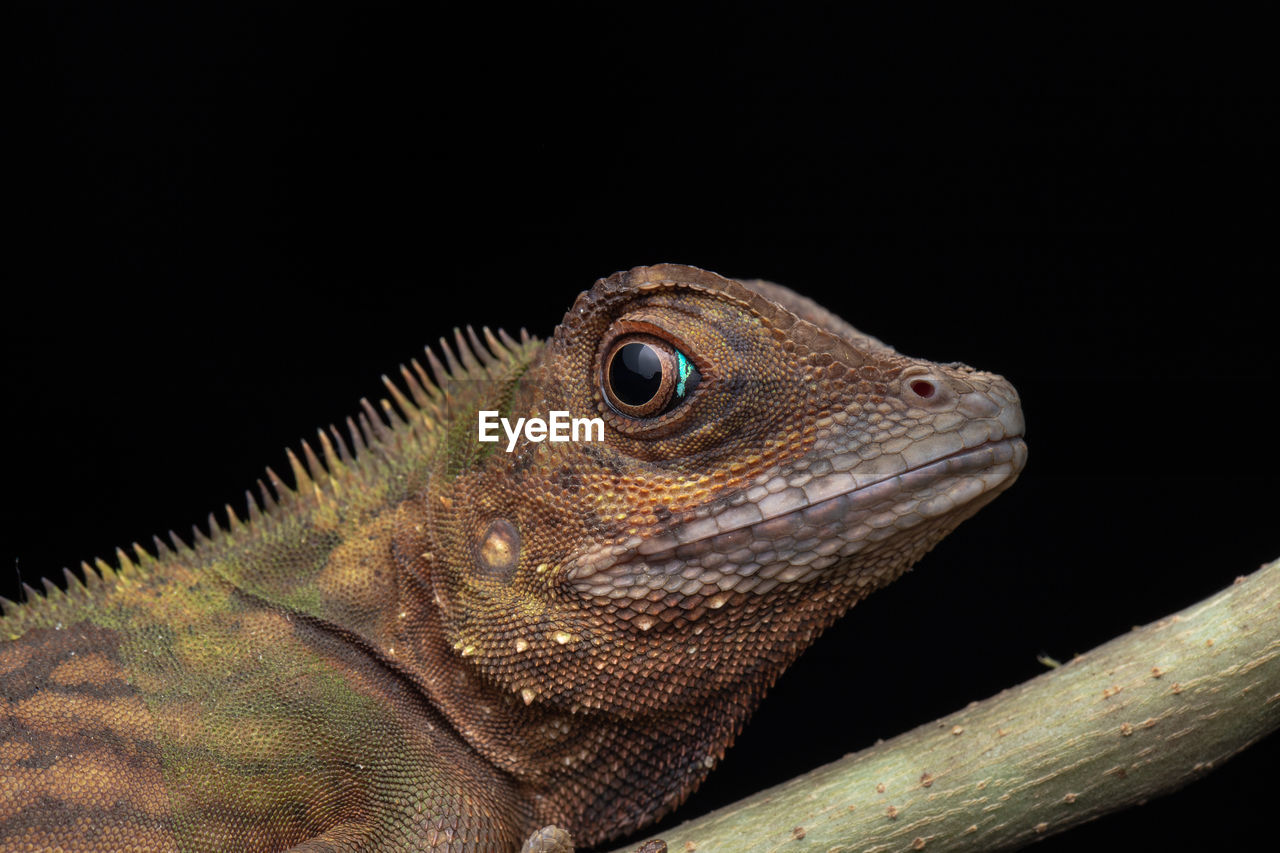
x=802, y=526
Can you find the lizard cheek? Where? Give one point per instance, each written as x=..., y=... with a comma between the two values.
x=498, y=549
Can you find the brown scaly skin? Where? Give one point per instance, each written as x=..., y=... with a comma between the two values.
x=436, y=644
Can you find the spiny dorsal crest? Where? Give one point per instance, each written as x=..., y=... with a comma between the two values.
x=376, y=436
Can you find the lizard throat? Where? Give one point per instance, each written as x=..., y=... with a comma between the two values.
x=795, y=532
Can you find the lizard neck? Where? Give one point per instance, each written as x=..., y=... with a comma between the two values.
x=324, y=547
x=601, y=770
x=581, y=770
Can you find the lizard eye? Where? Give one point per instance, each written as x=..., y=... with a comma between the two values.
x=645, y=376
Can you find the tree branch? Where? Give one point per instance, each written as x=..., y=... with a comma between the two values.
x=1135, y=718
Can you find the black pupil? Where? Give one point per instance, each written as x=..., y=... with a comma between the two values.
x=635, y=375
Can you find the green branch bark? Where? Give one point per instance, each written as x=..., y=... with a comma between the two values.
x=1133, y=719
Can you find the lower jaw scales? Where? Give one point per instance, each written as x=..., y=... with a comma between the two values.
x=797, y=545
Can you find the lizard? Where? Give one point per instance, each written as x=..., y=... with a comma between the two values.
x=431, y=641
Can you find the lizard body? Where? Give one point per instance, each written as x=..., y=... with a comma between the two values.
x=431, y=643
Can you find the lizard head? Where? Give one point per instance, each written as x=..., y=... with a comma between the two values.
x=759, y=467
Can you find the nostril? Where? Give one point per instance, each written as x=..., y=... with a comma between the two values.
x=923, y=388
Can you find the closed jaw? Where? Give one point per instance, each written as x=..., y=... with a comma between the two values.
x=795, y=533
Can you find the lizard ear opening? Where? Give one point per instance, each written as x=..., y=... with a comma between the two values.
x=497, y=550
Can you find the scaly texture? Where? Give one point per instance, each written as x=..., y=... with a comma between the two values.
x=432, y=643
x=1115, y=727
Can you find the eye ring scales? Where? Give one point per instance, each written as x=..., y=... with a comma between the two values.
x=643, y=376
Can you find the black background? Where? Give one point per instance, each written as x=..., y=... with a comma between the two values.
x=233, y=222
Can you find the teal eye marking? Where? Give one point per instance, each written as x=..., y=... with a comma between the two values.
x=646, y=377
x=685, y=369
